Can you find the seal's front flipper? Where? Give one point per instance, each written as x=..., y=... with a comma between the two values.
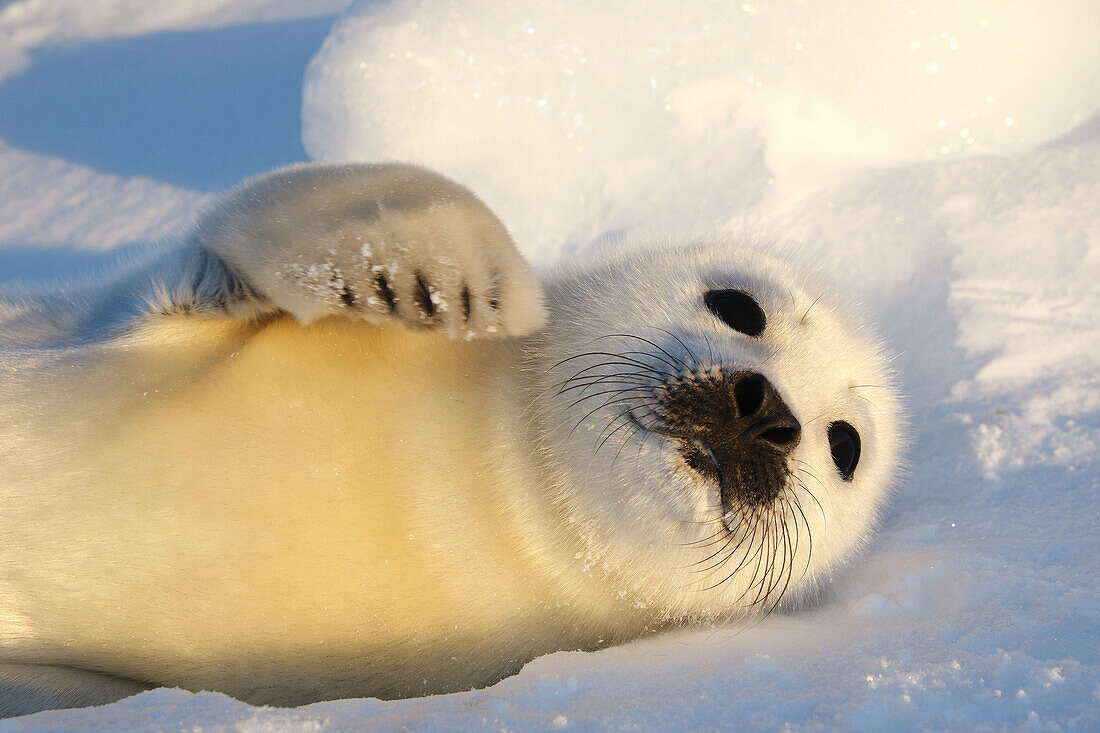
x=372, y=242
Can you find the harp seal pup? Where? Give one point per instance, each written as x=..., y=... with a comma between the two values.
x=341, y=441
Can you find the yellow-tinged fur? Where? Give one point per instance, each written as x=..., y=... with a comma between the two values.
x=279, y=503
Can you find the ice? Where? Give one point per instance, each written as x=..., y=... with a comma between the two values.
x=977, y=605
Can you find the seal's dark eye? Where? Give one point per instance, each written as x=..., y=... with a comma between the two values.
x=737, y=310
x=844, y=443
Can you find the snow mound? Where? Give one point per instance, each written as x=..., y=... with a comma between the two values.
x=572, y=119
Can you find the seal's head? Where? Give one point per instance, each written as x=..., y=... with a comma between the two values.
x=727, y=434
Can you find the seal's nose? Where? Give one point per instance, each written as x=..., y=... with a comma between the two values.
x=736, y=429
x=762, y=415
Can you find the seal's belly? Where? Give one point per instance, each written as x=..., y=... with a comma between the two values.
x=249, y=495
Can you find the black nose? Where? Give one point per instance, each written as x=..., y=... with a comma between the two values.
x=735, y=429
x=733, y=411
x=762, y=415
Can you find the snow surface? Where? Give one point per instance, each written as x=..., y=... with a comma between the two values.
x=573, y=117
x=978, y=604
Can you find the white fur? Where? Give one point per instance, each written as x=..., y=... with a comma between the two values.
x=216, y=472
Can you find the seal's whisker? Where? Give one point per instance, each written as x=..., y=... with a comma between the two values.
x=625, y=413
x=690, y=353
x=733, y=542
x=868, y=400
x=627, y=370
x=622, y=444
x=716, y=509
x=770, y=357
x=606, y=403
x=784, y=574
x=812, y=420
x=807, y=471
x=609, y=359
x=614, y=378
x=675, y=364
x=803, y=318
x=710, y=348
x=610, y=423
x=809, y=536
x=611, y=355
x=730, y=539
x=726, y=536
x=709, y=540
x=568, y=385
x=608, y=436
x=616, y=391
x=770, y=558
x=744, y=561
x=820, y=509
x=762, y=570
x=736, y=543
x=756, y=569
x=795, y=534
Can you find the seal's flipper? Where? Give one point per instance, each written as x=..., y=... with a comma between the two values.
x=370, y=242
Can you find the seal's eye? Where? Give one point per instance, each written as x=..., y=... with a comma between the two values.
x=737, y=310
x=844, y=443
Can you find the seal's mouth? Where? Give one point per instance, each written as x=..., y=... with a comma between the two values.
x=732, y=429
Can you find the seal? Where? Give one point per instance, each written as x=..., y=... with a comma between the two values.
x=341, y=441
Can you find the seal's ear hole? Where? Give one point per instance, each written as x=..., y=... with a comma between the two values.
x=736, y=309
x=844, y=444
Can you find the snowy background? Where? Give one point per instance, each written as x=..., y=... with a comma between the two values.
x=939, y=160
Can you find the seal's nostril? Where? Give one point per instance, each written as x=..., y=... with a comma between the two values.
x=748, y=394
x=783, y=437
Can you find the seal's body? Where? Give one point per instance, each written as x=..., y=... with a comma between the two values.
x=285, y=513
x=328, y=447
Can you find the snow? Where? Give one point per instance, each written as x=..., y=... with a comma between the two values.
x=573, y=118
x=25, y=24
x=977, y=606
